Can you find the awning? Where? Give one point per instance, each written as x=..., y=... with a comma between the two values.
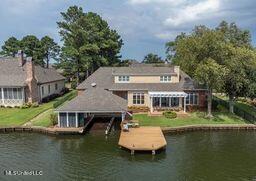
x=167, y=94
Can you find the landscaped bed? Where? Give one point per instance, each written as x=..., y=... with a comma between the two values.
x=195, y=118
x=18, y=116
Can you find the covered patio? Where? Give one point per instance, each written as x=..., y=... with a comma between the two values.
x=167, y=100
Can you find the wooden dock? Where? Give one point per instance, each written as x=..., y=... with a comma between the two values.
x=142, y=139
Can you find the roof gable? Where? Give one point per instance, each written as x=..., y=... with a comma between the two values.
x=12, y=74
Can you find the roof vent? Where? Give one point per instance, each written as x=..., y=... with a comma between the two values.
x=93, y=84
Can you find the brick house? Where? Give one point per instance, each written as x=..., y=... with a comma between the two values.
x=23, y=82
x=150, y=87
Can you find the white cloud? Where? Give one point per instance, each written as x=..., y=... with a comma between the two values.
x=193, y=12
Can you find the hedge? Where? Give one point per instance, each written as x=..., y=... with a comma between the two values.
x=65, y=98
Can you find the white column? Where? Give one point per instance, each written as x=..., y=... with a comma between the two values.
x=184, y=104
x=170, y=103
x=180, y=102
x=67, y=120
x=2, y=95
x=123, y=116
x=58, y=119
x=76, y=120
x=150, y=103
x=160, y=102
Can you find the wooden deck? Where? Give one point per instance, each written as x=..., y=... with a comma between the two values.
x=142, y=139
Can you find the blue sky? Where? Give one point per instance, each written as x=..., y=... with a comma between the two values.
x=145, y=25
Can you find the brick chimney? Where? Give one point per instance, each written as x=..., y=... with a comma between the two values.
x=21, y=58
x=32, y=89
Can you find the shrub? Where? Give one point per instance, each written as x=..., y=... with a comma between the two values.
x=221, y=108
x=138, y=108
x=73, y=84
x=65, y=98
x=28, y=104
x=170, y=114
x=53, y=119
x=35, y=105
x=24, y=106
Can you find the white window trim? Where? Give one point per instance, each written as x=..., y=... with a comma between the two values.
x=165, y=78
x=123, y=78
x=140, y=98
x=188, y=97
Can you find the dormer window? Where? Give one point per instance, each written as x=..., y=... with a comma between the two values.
x=165, y=78
x=124, y=78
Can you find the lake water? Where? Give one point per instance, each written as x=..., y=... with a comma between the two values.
x=225, y=155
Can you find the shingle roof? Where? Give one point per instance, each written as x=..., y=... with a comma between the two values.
x=104, y=78
x=96, y=100
x=143, y=70
x=11, y=74
x=44, y=75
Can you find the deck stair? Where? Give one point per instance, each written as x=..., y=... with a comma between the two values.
x=109, y=126
x=87, y=124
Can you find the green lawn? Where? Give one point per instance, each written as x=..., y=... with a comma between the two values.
x=193, y=119
x=18, y=116
x=43, y=119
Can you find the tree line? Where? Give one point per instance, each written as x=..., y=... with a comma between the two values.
x=221, y=58
x=42, y=50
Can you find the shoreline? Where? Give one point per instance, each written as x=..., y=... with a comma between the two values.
x=166, y=130
x=210, y=127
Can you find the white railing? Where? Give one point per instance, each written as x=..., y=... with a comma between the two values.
x=11, y=102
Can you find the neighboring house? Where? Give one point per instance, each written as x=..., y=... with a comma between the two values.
x=112, y=90
x=23, y=82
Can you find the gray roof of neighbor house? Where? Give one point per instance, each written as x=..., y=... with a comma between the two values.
x=11, y=74
x=104, y=78
x=95, y=100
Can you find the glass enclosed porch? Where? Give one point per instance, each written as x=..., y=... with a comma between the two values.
x=12, y=96
x=165, y=100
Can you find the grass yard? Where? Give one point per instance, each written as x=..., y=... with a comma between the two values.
x=43, y=119
x=18, y=116
x=193, y=119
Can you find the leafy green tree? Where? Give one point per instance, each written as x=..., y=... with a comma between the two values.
x=88, y=42
x=227, y=45
x=10, y=47
x=211, y=74
x=234, y=35
x=152, y=58
x=239, y=61
x=50, y=49
x=31, y=46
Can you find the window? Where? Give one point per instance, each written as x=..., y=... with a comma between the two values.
x=138, y=98
x=12, y=93
x=0, y=93
x=124, y=78
x=49, y=89
x=56, y=86
x=192, y=99
x=42, y=90
x=165, y=78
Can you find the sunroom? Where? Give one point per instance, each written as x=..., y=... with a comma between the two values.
x=12, y=96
